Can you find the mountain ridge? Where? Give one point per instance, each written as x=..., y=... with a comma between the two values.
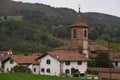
x=43, y=27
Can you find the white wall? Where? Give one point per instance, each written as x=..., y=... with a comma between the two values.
x=9, y=66
x=54, y=66
x=114, y=64
x=82, y=68
x=32, y=68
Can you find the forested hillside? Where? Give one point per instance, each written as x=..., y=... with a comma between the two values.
x=39, y=28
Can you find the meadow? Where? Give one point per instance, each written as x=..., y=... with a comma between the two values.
x=13, y=76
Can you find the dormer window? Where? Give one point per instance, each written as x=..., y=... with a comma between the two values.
x=74, y=33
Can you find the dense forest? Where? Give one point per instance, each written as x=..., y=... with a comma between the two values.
x=36, y=27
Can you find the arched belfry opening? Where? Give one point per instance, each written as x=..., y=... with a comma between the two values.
x=85, y=33
x=74, y=33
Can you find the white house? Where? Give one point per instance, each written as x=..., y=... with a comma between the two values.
x=6, y=53
x=0, y=62
x=14, y=60
x=1, y=65
x=116, y=62
x=59, y=63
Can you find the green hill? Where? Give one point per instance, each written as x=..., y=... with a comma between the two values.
x=39, y=28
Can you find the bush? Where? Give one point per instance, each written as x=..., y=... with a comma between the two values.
x=21, y=69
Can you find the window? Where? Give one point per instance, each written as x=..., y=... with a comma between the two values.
x=79, y=62
x=7, y=69
x=74, y=33
x=48, y=70
x=116, y=63
x=11, y=61
x=34, y=69
x=85, y=33
x=48, y=61
x=67, y=62
x=82, y=75
x=67, y=71
x=42, y=70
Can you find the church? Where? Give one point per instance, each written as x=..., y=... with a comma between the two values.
x=68, y=60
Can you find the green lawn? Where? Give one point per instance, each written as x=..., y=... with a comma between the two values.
x=10, y=76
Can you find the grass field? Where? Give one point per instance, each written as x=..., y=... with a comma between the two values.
x=10, y=76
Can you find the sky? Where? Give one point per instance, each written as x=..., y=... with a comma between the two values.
x=111, y=7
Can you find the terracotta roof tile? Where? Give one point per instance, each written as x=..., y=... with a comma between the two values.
x=21, y=59
x=91, y=55
x=35, y=54
x=107, y=75
x=65, y=47
x=116, y=59
x=68, y=56
x=96, y=47
x=91, y=47
x=79, y=22
x=62, y=47
x=2, y=58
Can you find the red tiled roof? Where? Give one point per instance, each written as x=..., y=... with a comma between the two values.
x=65, y=47
x=21, y=59
x=107, y=75
x=79, y=22
x=68, y=56
x=91, y=55
x=96, y=47
x=35, y=54
x=3, y=52
x=104, y=70
x=2, y=58
x=91, y=47
x=116, y=59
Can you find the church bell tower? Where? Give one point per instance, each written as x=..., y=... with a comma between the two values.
x=79, y=35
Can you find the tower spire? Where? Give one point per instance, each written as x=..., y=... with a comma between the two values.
x=79, y=9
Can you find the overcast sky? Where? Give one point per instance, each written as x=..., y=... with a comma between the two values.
x=111, y=7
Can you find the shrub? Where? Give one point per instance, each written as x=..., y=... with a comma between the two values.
x=21, y=69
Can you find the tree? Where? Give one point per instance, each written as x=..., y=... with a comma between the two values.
x=5, y=17
x=102, y=60
x=21, y=69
